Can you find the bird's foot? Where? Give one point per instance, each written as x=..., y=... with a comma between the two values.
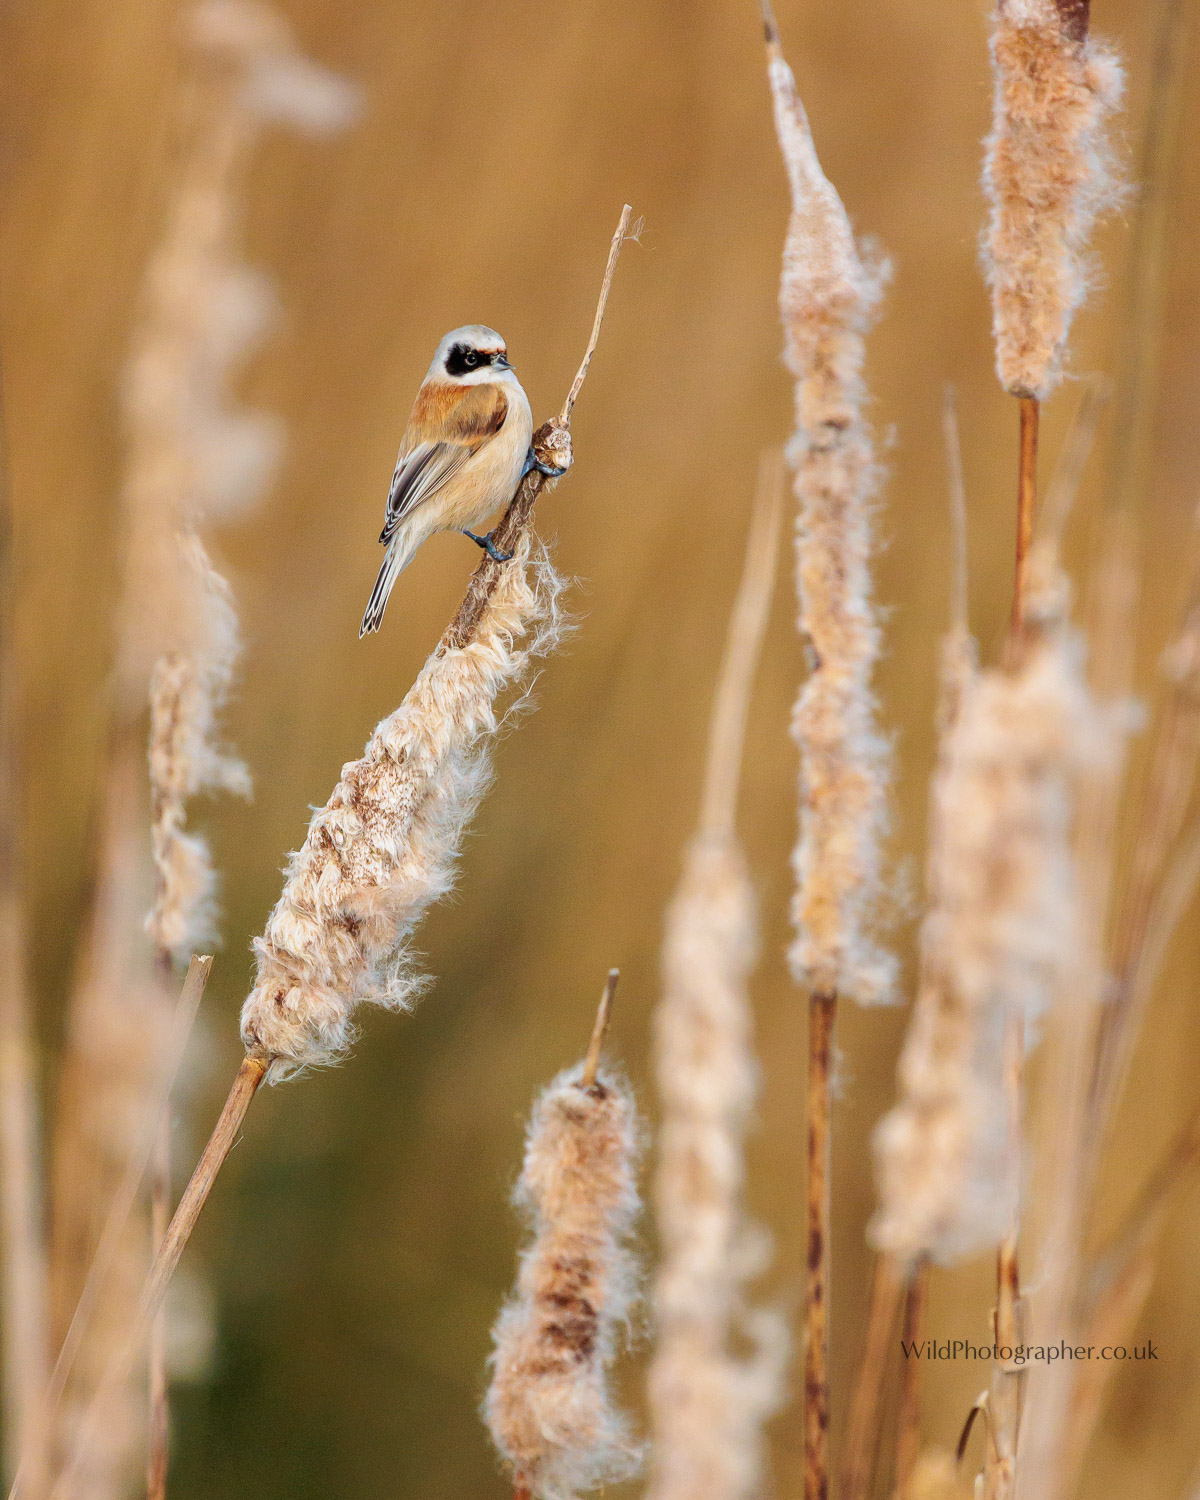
x=489, y=546
x=532, y=461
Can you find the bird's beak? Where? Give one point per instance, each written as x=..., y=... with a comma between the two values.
x=501, y=362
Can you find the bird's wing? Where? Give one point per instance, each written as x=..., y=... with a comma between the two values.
x=449, y=425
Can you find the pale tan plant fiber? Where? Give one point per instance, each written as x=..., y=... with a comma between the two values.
x=1004, y=934
x=828, y=298
x=548, y=1407
x=708, y=1403
x=117, y=1031
x=1048, y=173
x=383, y=847
x=193, y=455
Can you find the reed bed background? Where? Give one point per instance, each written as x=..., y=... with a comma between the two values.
x=352, y=1261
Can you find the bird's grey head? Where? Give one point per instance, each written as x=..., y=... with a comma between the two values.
x=470, y=355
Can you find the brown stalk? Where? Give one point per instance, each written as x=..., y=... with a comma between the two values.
x=160, y=1414
x=822, y=1010
x=1008, y=1384
x=747, y=625
x=159, y=1423
x=22, y=1254
x=1004, y=1405
x=1026, y=501
x=908, y=1430
x=551, y=444
x=862, y=1438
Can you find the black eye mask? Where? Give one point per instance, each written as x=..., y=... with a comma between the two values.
x=457, y=362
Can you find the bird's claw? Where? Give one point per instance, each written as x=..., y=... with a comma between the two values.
x=532, y=461
x=489, y=546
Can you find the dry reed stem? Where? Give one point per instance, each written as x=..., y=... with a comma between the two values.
x=1170, y=783
x=1117, y=1290
x=23, y=1291
x=250, y=1075
x=548, y=1407
x=888, y=1287
x=708, y=1403
x=1047, y=175
x=112, y=1242
x=26, y=1341
x=591, y=1062
x=460, y=642
x=908, y=1420
x=159, y=1415
x=1026, y=506
x=747, y=626
x=817, y=1235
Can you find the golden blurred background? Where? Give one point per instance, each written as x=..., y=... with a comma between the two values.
x=360, y=1241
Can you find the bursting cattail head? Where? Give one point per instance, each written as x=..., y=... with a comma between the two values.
x=828, y=296
x=1047, y=174
x=383, y=847
x=548, y=1407
x=1004, y=931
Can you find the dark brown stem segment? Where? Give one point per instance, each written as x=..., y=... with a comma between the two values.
x=862, y=1433
x=908, y=1429
x=1026, y=502
x=822, y=1010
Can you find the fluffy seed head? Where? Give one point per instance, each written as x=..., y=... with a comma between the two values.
x=548, y=1407
x=383, y=848
x=1003, y=933
x=1047, y=175
x=828, y=297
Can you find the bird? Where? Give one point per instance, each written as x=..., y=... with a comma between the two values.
x=463, y=453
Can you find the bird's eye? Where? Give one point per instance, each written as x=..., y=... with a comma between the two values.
x=471, y=360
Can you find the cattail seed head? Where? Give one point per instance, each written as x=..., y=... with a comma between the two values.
x=383, y=847
x=1047, y=174
x=548, y=1407
x=1004, y=932
x=828, y=298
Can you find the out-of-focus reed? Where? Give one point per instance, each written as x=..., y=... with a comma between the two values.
x=192, y=457
x=709, y=1403
x=829, y=293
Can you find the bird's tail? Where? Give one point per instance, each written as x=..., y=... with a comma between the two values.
x=399, y=554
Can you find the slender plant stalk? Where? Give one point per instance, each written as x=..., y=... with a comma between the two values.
x=159, y=1423
x=23, y=1292
x=887, y=1287
x=1026, y=500
x=120, y=1207
x=822, y=1011
x=591, y=1062
x=908, y=1428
